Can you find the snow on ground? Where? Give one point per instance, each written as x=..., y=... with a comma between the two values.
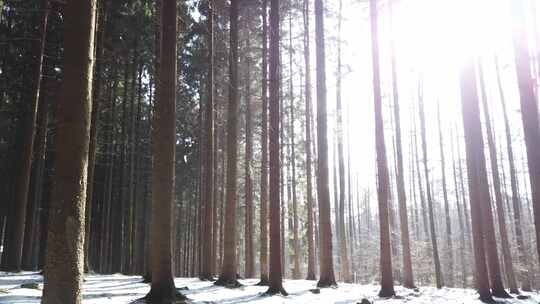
x=125, y=289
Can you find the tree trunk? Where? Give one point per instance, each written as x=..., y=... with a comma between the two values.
x=228, y=271
x=343, y=253
x=309, y=187
x=264, y=153
x=516, y=203
x=387, y=281
x=475, y=156
x=449, y=244
x=20, y=200
x=529, y=109
x=207, y=197
x=65, y=243
x=248, y=184
x=163, y=150
x=408, y=280
x=326, y=262
x=507, y=256
x=275, y=274
x=435, y=248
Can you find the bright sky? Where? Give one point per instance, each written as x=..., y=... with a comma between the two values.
x=432, y=38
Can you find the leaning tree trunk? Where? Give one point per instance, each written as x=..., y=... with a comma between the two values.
x=63, y=272
x=276, y=274
x=228, y=270
x=326, y=262
x=529, y=109
x=163, y=174
x=383, y=186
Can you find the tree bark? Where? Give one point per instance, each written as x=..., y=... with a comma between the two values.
x=14, y=251
x=207, y=194
x=408, y=280
x=309, y=187
x=529, y=108
x=275, y=274
x=507, y=256
x=326, y=263
x=475, y=156
x=432, y=231
x=387, y=281
x=163, y=173
x=228, y=270
x=65, y=243
x=516, y=202
x=264, y=153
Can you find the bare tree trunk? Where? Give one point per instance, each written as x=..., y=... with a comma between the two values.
x=516, y=203
x=207, y=194
x=435, y=248
x=275, y=274
x=343, y=252
x=14, y=251
x=264, y=153
x=65, y=243
x=387, y=281
x=163, y=150
x=248, y=184
x=529, y=109
x=408, y=280
x=507, y=256
x=475, y=156
x=462, y=248
x=326, y=262
x=449, y=244
x=309, y=189
x=228, y=271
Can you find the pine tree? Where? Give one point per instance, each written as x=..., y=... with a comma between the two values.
x=63, y=271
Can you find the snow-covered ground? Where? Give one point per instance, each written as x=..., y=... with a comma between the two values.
x=125, y=289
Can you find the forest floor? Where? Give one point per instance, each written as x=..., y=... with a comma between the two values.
x=127, y=289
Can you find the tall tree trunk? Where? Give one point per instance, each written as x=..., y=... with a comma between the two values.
x=309, y=187
x=432, y=231
x=507, y=256
x=462, y=248
x=343, y=253
x=65, y=243
x=14, y=252
x=163, y=173
x=207, y=271
x=383, y=186
x=264, y=153
x=529, y=108
x=296, y=242
x=228, y=271
x=248, y=184
x=475, y=157
x=449, y=244
x=408, y=280
x=275, y=274
x=516, y=202
x=326, y=262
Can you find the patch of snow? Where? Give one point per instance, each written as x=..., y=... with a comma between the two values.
x=116, y=288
